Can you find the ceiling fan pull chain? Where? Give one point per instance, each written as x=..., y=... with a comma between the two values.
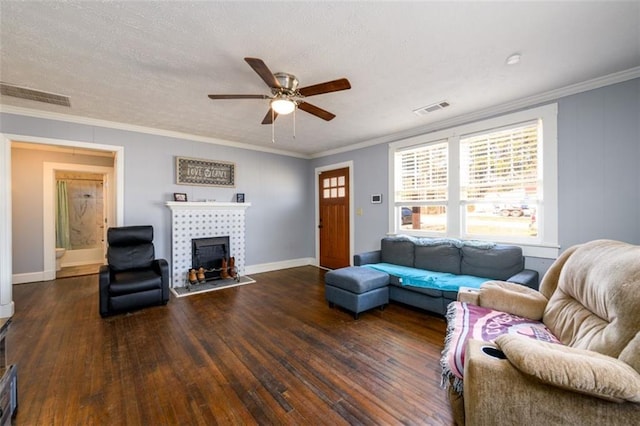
x=294, y=123
x=273, y=128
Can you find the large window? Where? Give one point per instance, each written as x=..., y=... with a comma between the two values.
x=499, y=182
x=492, y=180
x=423, y=183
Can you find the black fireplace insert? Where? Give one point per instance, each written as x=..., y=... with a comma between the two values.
x=208, y=254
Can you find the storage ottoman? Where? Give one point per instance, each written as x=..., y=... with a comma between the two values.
x=356, y=288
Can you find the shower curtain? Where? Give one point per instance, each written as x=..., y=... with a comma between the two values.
x=62, y=216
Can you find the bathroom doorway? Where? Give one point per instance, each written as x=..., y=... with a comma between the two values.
x=80, y=219
x=78, y=209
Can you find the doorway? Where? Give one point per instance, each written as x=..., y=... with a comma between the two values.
x=90, y=205
x=81, y=217
x=43, y=246
x=335, y=226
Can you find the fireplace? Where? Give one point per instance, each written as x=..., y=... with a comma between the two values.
x=208, y=254
x=198, y=219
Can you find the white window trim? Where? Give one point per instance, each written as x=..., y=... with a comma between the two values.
x=547, y=244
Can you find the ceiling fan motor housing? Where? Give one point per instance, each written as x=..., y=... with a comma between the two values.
x=287, y=81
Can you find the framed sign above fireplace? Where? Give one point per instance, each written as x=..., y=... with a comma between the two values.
x=197, y=171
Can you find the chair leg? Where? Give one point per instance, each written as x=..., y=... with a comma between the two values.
x=356, y=315
x=331, y=305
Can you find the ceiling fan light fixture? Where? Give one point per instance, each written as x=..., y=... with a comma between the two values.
x=283, y=106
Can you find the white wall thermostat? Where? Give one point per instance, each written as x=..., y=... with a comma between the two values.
x=376, y=198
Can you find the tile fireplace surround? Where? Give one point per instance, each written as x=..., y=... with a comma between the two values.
x=202, y=220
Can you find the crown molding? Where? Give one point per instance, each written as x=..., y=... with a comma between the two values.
x=551, y=95
x=48, y=115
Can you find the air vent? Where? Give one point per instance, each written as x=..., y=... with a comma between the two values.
x=33, y=95
x=431, y=108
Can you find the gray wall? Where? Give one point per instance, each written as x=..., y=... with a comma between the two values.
x=279, y=223
x=599, y=179
x=599, y=172
x=599, y=165
x=370, y=176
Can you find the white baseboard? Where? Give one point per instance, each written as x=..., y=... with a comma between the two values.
x=250, y=269
x=7, y=311
x=32, y=277
x=275, y=266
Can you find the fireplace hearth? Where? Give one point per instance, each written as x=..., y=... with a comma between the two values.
x=208, y=253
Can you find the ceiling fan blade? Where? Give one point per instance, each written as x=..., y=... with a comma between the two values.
x=263, y=71
x=328, y=87
x=238, y=97
x=269, y=118
x=318, y=112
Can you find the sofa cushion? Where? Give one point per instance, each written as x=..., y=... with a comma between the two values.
x=130, y=235
x=631, y=353
x=433, y=292
x=135, y=281
x=499, y=262
x=574, y=369
x=124, y=258
x=414, y=277
x=441, y=258
x=399, y=251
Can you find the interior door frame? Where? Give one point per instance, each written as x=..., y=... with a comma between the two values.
x=6, y=255
x=49, y=208
x=318, y=170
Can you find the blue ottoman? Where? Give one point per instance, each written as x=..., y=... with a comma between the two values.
x=356, y=289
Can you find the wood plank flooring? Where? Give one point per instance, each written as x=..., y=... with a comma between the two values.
x=266, y=353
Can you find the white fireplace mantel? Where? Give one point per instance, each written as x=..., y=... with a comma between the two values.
x=206, y=205
x=204, y=219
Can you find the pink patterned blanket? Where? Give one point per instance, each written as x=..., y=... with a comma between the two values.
x=466, y=321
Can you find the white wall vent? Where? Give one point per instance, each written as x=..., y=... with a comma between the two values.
x=33, y=95
x=431, y=108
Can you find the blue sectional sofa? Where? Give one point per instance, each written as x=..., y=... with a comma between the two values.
x=427, y=272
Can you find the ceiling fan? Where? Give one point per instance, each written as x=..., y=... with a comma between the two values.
x=285, y=95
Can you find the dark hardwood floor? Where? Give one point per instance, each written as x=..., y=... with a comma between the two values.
x=272, y=352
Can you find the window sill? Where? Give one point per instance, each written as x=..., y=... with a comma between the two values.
x=541, y=250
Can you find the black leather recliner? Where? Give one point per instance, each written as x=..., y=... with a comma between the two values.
x=133, y=278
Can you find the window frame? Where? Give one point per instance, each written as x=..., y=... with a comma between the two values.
x=545, y=244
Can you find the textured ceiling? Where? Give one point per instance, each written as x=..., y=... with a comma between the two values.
x=153, y=63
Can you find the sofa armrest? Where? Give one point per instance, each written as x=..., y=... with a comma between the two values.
x=512, y=298
x=367, y=257
x=497, y=393
x=161, y=267
x=104, y=279
x=574, y=369
x=469, y=295
x=526, y=277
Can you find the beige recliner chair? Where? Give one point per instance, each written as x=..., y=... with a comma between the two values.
x=590, y=300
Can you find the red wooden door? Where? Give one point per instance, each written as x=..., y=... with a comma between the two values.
x=334, y=218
